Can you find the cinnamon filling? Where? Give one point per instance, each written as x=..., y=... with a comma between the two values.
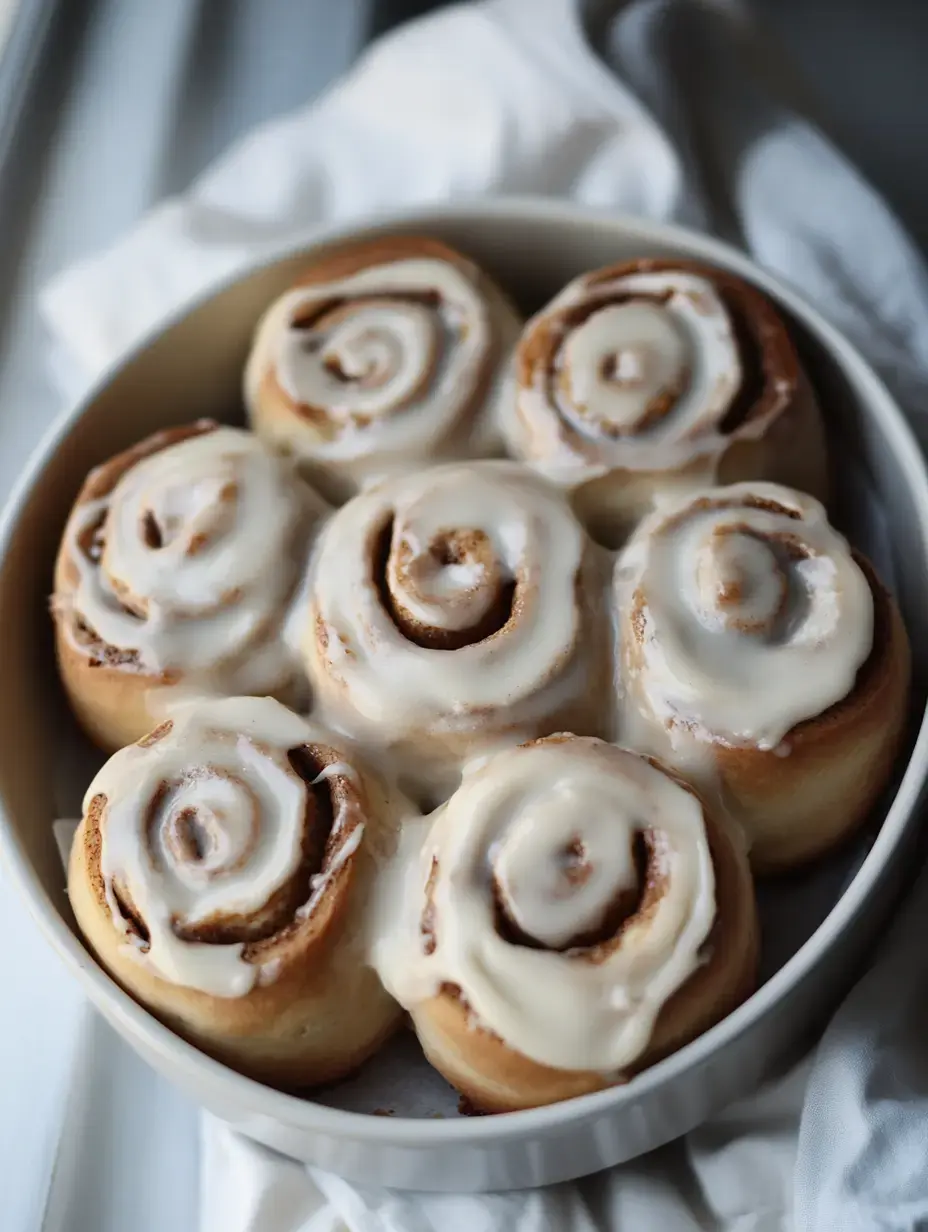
x=92, y=543
x=625, y=906
x=450, y=548
x=360, y=354
x=189, y=840
x=703, y=504
x=621, y=368
x=278, y=916
x=768, y=363
x=730, y=588
x=427, y=922
x=764, y=348
x=151, y=531
x=92, y=539
x=134, y=922
x=754, y=377
x=100, y=653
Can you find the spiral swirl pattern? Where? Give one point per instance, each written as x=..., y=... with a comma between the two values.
x=745, y=613
x=217, y=832
x=387, y=361
x=649, y=366
x=451, y=601
x=188, y=561
x=565, y=890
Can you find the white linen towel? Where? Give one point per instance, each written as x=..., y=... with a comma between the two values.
x=508, y=96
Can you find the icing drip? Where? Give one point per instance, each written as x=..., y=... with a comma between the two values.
x=443, y=597
x=191, y=559
x=382, y=366
x=528, y=896
x=642, y=372
x=204, y=822
x=744, y=613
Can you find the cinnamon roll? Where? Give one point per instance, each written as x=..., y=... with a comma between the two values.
x=385, y=355
x=220, y=874
x=762, y=656
x=574, y=915
x=454, y=609
x=176, y=567
x=657, y=375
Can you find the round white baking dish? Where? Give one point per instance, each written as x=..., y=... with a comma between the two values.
x=192, y=367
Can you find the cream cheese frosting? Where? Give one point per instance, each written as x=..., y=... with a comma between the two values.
x=643, y=372
x=191, y=560
x=744, y=614
x=203, y=823
x=544, y=835
x=385, y=366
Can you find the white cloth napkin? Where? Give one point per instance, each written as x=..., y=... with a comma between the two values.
x=679, y=112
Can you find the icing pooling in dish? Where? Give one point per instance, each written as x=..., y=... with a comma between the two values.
x=744, y=613
x=442, y=596
x=644, y=369
x=543, y=838
x=191, y=559
x=380, y=365
x=203, y=823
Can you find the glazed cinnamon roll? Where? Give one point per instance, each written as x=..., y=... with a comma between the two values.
x=454, y=609
x=658, y=375
x=762, y=656
x=220, y=874
x=574, y=914
x=175, y=570
x=385, y=355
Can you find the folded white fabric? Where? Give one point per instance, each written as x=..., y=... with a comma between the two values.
x=734, y=1174
x=510, y=96
x=496, y=98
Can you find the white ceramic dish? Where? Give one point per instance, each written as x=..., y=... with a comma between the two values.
x=192, y=368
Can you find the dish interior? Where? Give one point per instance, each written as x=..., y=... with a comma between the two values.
x=193, y=370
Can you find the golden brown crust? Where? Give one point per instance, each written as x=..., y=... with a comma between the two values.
x=496, y=1078
x=791, y=448
x=296, y=429
x=114, y=697
x=111, y=696
x=323, y=1014
x=799, y=805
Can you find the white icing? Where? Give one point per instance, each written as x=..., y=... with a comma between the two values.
x=449, y=596
x=514, y=819
x=371, y=363
x=207, y=822
x=319, y=882
x=537, y=876
x=371, y=679
x=390, y=374
x=230, y=522
x=669, y=338
x=336, y=770
x=754, y=620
